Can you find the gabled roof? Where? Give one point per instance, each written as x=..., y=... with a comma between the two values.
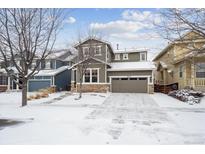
x=94, y=38
x=93, y=59
x=185, y=38
x=52, y=72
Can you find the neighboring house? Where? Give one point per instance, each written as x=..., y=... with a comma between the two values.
x=113, y=70
x=178, y=64
x=54, y=72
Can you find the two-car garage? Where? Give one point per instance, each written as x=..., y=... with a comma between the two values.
x=129, y=84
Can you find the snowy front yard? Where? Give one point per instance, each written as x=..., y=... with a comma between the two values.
x=102, y=119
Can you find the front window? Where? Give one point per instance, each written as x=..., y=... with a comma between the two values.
x=91, y=76
x=125, y=56
x=3, y=80
x=200, y=70
x=94, y=75
x=181, y=71
x=117, y=56
x=142, y=56
x=87, y=76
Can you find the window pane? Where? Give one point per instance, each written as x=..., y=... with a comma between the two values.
x=87, y=76
x=200, y=74
x=94, y=76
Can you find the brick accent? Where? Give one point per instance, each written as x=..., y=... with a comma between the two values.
x=94, y=88
x=3, y=88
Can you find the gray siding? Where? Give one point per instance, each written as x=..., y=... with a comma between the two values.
x=63, y=80
x=101, y=71
x=94, y=43
x=132, y=57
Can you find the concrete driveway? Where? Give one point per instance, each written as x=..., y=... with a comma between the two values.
x=137, y=119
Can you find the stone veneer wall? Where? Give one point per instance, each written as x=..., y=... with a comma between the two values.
x=94, y=88
x=3, y=88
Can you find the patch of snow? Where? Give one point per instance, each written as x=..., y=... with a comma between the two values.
x=52, y=72
x=131, y=50
x=126, y=66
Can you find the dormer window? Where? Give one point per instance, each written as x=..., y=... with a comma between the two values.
x=117, y=56
x=125, y=56
x=143, y=56
x=98, y=50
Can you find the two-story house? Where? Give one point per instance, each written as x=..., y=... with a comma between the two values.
x=54, y=72
x=180, y=64
x=113, y=70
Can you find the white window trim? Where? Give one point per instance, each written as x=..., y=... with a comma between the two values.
x=100, y=50
x=124, y=57
x=117, y=56
x=90, y=69
x=141, y=53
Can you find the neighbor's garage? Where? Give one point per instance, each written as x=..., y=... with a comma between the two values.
x=35, y=85
x=129, y=85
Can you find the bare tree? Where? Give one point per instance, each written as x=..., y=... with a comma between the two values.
x=85, y=56
x=27, y=35
x=177, y=22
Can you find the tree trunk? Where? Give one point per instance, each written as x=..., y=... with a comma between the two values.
x=24, y=93
x=80, y=90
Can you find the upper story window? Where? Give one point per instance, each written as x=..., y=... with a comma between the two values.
x=52, y=64
x=143, y=56
x=117, y=56
x=181, y=71
x=200, y=70
x=125, y=56
x=33, y=65
x=48, y=65
x=97, y=50
x=43, y=65
x=85, y=51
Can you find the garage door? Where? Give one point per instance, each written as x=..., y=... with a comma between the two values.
x=35, y=85
x=129, y=85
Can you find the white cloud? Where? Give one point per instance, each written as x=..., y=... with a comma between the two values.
x=70, y=20
x=136, y=36
x=118, y=26
x=141, y=16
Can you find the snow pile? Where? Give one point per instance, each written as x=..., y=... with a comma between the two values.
x=187, y=95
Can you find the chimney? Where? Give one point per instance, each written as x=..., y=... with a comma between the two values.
x=117, y=46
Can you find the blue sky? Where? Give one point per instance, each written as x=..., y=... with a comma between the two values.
x=130, y=28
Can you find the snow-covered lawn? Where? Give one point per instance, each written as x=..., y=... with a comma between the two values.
x=102, y=119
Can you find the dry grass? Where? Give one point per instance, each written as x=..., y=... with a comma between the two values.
x=42, y=93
